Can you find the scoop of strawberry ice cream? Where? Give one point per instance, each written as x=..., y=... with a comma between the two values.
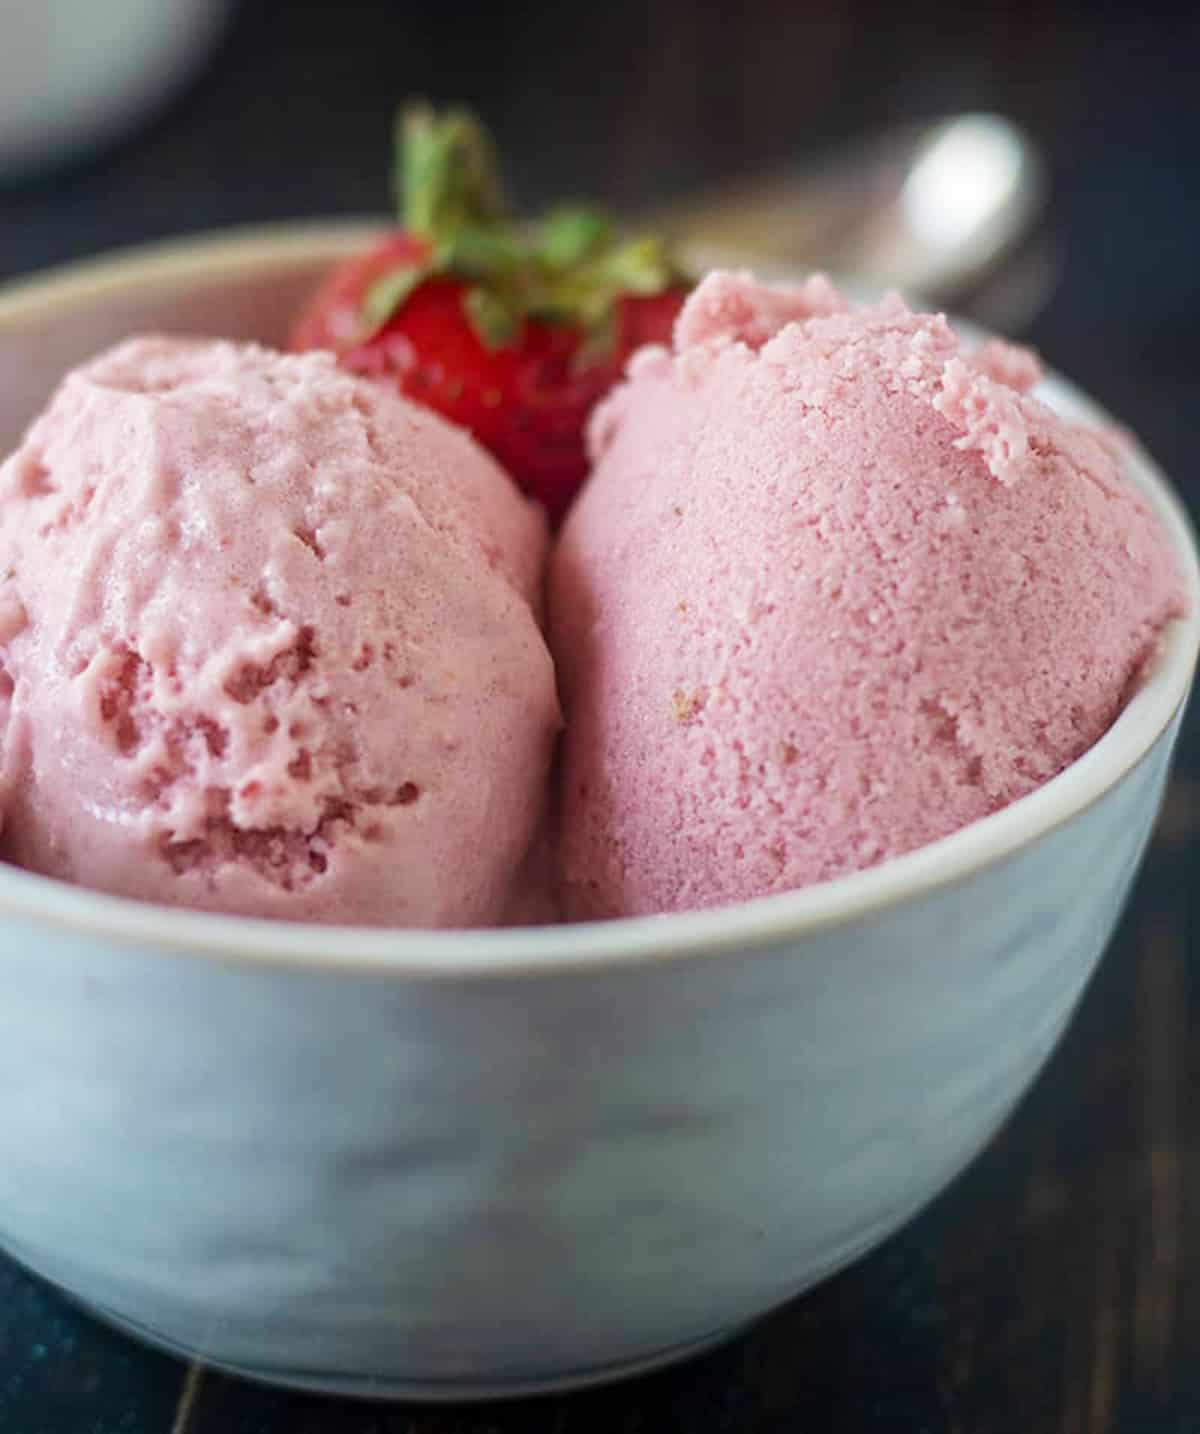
x=269, y=644
x=836, y=588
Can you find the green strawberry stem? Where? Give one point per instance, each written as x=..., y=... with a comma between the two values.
x=447, y=176
x=572, y=268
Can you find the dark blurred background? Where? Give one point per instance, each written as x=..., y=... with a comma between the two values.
x=1056, y=1287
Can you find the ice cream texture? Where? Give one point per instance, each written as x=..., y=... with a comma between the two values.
x=836, y=588
x=270, y=644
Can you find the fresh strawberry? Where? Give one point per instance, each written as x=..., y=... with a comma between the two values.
x=513, y=331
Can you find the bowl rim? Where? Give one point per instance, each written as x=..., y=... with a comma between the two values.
x=542, y=950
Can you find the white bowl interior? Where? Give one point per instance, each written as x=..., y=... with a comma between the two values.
x=248, y=285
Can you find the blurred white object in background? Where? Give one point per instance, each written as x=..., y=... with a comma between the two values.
x=76, y=73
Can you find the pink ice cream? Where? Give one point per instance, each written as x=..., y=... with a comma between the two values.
x=269, y=644
x=835, y=589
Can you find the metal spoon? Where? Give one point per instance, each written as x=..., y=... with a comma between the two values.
x=939, y=210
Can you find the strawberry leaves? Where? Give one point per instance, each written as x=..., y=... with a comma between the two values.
x=571, y=269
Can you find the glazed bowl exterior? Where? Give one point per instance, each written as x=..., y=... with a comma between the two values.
x=461, y=1164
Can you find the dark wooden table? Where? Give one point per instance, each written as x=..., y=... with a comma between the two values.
x=1056, y=1286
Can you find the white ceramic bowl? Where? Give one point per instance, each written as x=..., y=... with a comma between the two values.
x=75, y=74
x=450, y=1164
